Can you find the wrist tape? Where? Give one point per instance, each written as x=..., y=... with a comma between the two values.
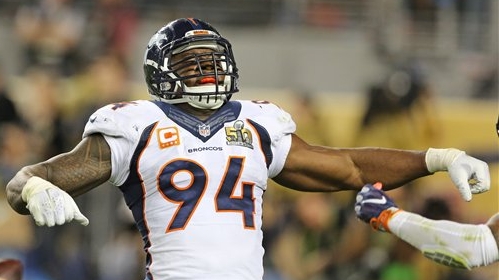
x=441, y=159
x=34, y=185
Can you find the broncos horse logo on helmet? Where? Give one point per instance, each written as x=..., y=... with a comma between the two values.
x=162, y=73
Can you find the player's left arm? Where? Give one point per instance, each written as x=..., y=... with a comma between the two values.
x=317, y=168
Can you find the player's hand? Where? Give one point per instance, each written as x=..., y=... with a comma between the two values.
x=374, y=207
x=470, y=175
x=49, y=205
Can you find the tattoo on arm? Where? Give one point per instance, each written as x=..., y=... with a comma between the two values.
x=86, y=166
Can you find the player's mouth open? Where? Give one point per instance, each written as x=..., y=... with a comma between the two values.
x=207, y=80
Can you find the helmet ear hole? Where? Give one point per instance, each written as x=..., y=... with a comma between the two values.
x=179, y=36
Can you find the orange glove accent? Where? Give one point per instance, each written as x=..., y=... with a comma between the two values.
x=381, y=222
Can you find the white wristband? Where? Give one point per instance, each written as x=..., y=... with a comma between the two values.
x=34, y=185
x=441, y=159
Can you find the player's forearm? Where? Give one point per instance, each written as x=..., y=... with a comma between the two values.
x=392, y=167
x=449, y=243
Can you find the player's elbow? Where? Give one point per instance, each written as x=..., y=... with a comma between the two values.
x=13, y=191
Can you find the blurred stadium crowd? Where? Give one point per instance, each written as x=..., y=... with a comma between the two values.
x=62, y=59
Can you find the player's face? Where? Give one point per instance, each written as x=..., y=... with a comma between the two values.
x=197, y=62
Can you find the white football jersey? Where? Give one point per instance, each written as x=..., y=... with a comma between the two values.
x=195, y=187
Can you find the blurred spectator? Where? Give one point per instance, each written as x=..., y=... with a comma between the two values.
x=485, y=79
x=399, y=111
x=276, y=218
x=15, y=150
x=326, y=14
x=122, y=257
x=474, y=18
x=17, y=237
x=104, y=80
x=303, y=250
x=308, y=118
x=423, y=15
x=43, y=88
x=8, y=109
x=112, y=27
x=50, y=32
x=400, y=262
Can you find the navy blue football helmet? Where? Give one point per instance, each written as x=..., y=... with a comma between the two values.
x=162, y=72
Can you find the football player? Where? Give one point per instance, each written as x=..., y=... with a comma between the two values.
x=193, y=164
x=445, y=242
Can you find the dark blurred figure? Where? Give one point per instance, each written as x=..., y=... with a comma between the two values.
x=474, y=19
x=50, y=32
x=304, y=248
x=423, y=15
x=485, y=84
x=402, y=102
x=398, y=92
x=8, y=109
x=112, y=27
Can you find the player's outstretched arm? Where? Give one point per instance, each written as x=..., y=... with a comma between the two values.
x=45, y=189
x=465, y=245
x=316, y=168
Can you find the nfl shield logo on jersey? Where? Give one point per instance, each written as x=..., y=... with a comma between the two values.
x=204, y=130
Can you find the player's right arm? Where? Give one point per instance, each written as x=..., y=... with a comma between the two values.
x=58, y=179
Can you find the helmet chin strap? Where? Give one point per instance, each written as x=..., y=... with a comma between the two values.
x=212, y=101
x=207, y=101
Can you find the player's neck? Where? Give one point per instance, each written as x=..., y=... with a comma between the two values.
x=201, y=114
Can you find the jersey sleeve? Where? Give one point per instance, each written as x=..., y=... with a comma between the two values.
x=281, y=140
x=118, y=125
x=280, y=126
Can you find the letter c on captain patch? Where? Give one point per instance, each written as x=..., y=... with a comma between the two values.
x=168, y=137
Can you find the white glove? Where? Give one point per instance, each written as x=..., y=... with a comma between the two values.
x=49, y=205
x=470, y=175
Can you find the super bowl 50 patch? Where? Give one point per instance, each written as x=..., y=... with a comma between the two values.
x=238, y=135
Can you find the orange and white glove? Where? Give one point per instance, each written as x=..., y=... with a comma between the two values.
x=49, y=205
x=470, y=175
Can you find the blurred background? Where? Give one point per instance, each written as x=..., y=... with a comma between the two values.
x=392, y=73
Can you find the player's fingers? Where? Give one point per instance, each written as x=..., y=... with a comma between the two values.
x=80, y=218
x=464, y=190
x=76, y=213
x=460, y=179
x=480, y=182
x=37, y=215
x=40, y=207
x=58, y=207
x=49, y=217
